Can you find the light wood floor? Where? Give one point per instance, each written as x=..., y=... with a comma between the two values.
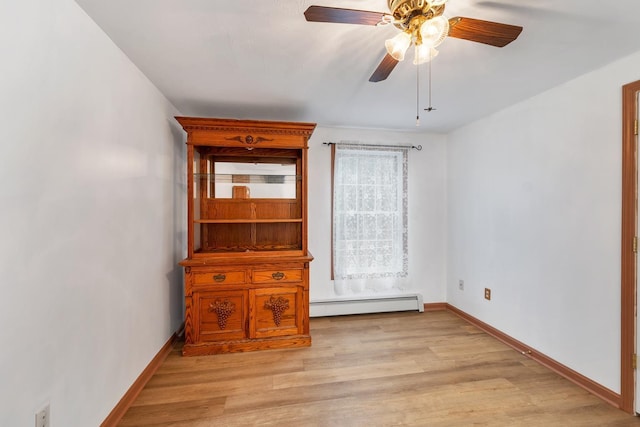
x=424, y=369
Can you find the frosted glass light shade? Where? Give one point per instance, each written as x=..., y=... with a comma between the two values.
x=424, y=54
x=434, y=31
x=398, y=45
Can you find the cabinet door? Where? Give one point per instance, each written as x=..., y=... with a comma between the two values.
x=222, y=315
x=275, y=312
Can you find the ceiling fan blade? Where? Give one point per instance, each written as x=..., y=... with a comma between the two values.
x=487, y=32
x=384, y=69
x=342, y=16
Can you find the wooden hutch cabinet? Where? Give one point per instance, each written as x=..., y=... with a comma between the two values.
x=247, y=269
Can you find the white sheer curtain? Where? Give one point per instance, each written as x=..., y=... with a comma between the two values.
x=369, y=219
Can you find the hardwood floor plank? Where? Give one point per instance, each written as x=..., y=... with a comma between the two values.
x=217, y=374
x=187, y=392
x=179, y=412
x=349, y=373
x=414, y=369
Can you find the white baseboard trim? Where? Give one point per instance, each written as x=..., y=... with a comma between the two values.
x=378, y=304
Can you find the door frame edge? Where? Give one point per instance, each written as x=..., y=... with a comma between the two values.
x=628, y=256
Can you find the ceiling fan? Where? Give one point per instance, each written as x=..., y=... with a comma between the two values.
x=421, y=23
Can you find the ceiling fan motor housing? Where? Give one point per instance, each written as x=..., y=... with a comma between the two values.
x=404, y=11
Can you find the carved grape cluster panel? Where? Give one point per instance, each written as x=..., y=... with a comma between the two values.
x=277, y=306
x=223, y=310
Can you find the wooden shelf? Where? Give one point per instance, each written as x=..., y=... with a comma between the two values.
x=246, y=221
x=247, y=178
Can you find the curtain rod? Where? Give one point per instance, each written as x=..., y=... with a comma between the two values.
x=416, y=147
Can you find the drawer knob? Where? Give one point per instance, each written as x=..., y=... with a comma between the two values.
x=278, y=275
x=220, y=277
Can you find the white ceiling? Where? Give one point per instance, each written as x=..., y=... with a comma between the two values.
x=260, y=59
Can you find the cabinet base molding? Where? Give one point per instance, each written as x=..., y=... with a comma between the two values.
x=246, y=345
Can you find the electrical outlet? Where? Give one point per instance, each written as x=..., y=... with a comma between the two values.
x=42, y=417
x=487, y=293
x=461, y=285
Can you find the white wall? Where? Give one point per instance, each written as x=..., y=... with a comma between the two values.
x=534, y=205
x=427, y=207
x=91, y=217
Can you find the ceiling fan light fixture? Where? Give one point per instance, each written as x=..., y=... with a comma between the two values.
x=424, y=54
x=398, y=45
x=434, y=31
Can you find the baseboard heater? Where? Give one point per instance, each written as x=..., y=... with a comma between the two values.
x=379, y=304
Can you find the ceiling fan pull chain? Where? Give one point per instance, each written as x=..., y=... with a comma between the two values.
x=430, y=109
x=417, y=91
x=430, y=59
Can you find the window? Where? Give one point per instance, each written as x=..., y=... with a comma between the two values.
x=369, y=217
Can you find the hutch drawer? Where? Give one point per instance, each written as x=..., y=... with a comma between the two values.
x=219, y=276
x=277, y=276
